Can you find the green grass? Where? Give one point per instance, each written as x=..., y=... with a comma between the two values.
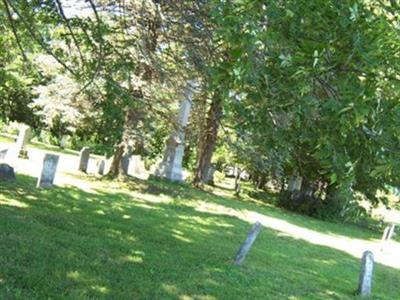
x=147, y=240
x=6, y=139
x=38, y=145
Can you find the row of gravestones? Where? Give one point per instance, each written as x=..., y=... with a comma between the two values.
x=170, y=167
x=132, y=164
x=50, y=162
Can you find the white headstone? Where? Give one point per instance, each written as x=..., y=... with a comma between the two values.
x=101, y=167
x=367, y=268
x=84, y=155
x=136, y=165
x=171, y=166
x=48, y=171
x=19, y=150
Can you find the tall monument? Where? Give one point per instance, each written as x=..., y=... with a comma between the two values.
x=171, y=166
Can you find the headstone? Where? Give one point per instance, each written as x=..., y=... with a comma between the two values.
x=125, y=162
x=295, y=183
x=84, y=155
x=3, y=153
x=391, y=231
x=171, y=166
x=136, y=165
x=385, y=233
x=367, y=268
x=210, y=174
x=245, y=175
x=6, y=172
x=388, y=232
x=100, y=167
x=246, y=246
x=48, y=171
x=63, y=141
x=22, y=140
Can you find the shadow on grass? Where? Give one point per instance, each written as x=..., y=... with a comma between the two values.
x=186, y=191
x=65, y=243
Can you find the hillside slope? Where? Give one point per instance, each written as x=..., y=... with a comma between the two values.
x=96, y=239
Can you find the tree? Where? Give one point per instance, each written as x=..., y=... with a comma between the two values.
x=313, y=86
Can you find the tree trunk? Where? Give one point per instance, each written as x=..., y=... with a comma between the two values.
x=208, y=141
x=238, y=173
x=124, y=148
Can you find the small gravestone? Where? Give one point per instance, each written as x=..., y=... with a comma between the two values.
x=246, y=246
x=6, y=172
x=390, y=232
x=63, y=142
x=295, y=184
x=22, y=140
x=210, y=174
x=136, y=165
x=48, y=171
x=125, y=162
x=84, y=155
x=367, y=268
x=3, y=153
x=385, y=233
x=100, y=167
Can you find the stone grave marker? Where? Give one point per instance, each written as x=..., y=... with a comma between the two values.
x=7, y=172
x=125, y=162
x=48, y=171
x=171, y=166
x=22, y=140
x=3, y=153
x=210, y=174
x=136, y=165
x=246, y=246
x=84, y=155
x=365, y=280
x=101, y=167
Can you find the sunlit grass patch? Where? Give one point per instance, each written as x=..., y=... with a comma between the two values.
x=155, y=240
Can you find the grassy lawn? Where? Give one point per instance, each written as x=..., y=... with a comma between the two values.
x=6, y=139
x=147, y=240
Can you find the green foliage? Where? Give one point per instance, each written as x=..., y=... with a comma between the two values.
x=314, y=90
x=309, y=87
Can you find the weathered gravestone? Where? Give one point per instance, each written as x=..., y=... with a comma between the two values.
x=63, y=142
x=367, y=268
x=246, y=246
x=210, y=174
x=84, y=155
x=3, y=153
x=390, y=232
x=295, y=184
x=48, y=171
x=171, y=166
x=22, y=140
x=101, y=167
x=136, y=165
x=6, y=172
x=125, y=162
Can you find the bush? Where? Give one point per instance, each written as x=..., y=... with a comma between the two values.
x=330, y=208
x=304, y=202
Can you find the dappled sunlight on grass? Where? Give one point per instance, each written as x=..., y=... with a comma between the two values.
x=349, y=245
x=133, y=258
x=12, y=202
x=155, y=240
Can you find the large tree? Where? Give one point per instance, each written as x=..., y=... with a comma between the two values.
x=315, y=90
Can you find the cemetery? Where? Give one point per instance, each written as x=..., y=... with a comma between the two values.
x=199, y=150
x=109, y=235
